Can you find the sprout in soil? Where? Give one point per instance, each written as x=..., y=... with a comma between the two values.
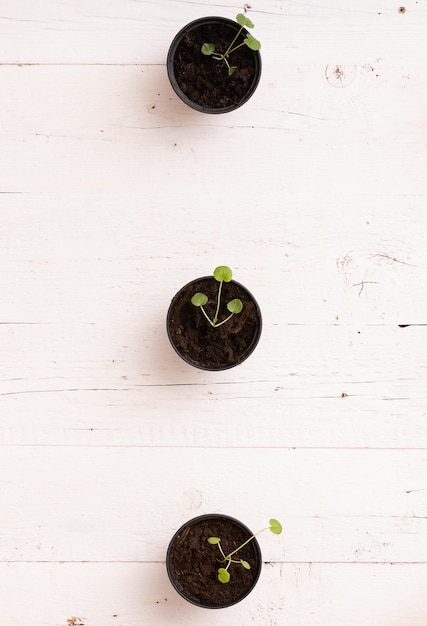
x=223, y=573
x=208, y=49
x=222, y=274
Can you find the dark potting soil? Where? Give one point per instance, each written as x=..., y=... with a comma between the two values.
x=205, y=80
x=193, y=336
x=195, y=564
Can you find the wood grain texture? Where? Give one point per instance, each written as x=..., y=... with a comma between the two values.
x=308, y=258
x=118, y=129
x=113, y=195
x=140, y=31
x=124, y=594
x=306, y=386
x=124, y=504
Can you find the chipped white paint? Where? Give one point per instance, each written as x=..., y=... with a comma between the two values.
x=113, y=195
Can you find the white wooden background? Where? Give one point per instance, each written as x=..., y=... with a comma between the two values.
x=113, y=195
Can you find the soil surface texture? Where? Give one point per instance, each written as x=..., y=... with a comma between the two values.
x=194, y=562
x=203, y=345
x=205, y=80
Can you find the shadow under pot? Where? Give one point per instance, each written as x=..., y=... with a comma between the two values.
x=206, y=347
x=192, y=563
x=201, y=81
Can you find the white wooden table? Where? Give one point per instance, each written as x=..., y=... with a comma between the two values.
x=113, y=194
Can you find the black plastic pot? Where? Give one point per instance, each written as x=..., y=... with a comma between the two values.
x=202, y=566
x=181, y=87
x=207, y=348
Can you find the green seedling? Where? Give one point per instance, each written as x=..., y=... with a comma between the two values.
x=222, y=274
x=208, y=49
x=223, y=573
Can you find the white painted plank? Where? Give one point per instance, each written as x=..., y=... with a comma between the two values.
x=119, y=259
x=114, y=31
x=305, y=386
x=122, y=129
x=112, y=594
x=123, y=504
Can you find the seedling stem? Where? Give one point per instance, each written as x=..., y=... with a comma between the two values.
x=223, y=573
x=208, y=49
x=221, y=274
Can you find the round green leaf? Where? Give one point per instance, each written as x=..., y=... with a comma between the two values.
x=252, y=43
x=208, y=49
x=199, y=299
x=232, y=69
x=223, y=273
x=245, y=564
x=275, y=526
x=223, y=575
x=242, y=20
x=214, y=540
x=235, y=306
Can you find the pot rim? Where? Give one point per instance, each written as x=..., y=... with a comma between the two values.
x=227, y=366
x=192, y=522
x=171, y=70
